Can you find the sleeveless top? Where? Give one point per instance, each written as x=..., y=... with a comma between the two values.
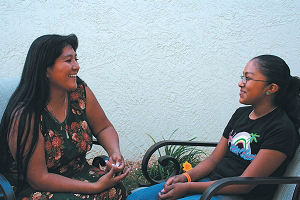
x=67, y=140
x=66, y=144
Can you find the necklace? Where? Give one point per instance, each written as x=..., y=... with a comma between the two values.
x=52, y=111
x=55, y=118
x=263, y=115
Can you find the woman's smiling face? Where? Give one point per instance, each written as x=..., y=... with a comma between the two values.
x=62, y=75
x=253, y=92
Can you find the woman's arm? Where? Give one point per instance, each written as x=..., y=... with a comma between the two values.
x=103, y=130
x=39, y=178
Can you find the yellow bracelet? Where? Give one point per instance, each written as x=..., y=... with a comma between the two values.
x=189, y=179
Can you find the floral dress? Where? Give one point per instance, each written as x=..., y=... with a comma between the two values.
x=66, y=145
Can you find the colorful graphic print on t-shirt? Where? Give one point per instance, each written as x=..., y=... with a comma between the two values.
x=239, y=144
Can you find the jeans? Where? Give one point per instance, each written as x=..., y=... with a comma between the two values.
x=152, y=193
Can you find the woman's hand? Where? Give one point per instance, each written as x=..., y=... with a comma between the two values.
x=110, y=179
x=174, y=191
x=116, y=160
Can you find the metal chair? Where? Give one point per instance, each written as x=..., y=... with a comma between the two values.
x=6, y=191
x=289, y=185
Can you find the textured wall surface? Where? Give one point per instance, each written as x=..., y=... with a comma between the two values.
x=156, y=66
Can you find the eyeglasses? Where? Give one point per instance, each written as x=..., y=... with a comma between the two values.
x=246, y=79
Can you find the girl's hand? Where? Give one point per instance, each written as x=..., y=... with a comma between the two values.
x=110, y=179
x=176, y=179
x=174, y=191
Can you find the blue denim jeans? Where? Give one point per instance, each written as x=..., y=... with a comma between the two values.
x=151, y=192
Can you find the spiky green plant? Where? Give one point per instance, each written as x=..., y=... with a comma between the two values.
x=180, y=153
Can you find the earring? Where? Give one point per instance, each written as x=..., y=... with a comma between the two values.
x=267, y=93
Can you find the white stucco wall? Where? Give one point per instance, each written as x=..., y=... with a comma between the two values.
x=156, y=66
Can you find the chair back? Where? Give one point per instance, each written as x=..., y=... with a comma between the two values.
x=7, y=87
x=285, y=191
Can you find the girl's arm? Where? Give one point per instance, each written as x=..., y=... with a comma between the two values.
x=205, y=167
x=264, y=164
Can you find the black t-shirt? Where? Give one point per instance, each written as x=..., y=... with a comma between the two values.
x=274, y=131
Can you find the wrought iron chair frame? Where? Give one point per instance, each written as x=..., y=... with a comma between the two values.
x=215, y=187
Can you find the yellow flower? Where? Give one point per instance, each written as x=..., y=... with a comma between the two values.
x=187, y=166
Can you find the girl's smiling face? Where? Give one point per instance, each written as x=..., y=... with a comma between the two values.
x=253, y=92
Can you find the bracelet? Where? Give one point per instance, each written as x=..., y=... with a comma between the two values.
x=189, y=179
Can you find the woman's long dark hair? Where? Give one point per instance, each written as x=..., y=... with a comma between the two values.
x=30, y=98
x=287, y=97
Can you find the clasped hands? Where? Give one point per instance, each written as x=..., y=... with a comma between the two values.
x=174, y=188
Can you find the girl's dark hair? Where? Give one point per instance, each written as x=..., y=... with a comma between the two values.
x=30, y=98
x=287, y=97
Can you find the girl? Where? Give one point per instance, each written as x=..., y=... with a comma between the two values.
x=259, y=140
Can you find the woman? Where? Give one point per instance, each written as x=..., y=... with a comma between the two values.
x=259, y=140
x=47, y=129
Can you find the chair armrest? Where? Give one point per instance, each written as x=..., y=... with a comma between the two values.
x=6, y=190
x=96, y=142
x=219, y=184
x=164, y=160
x=99, y=160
